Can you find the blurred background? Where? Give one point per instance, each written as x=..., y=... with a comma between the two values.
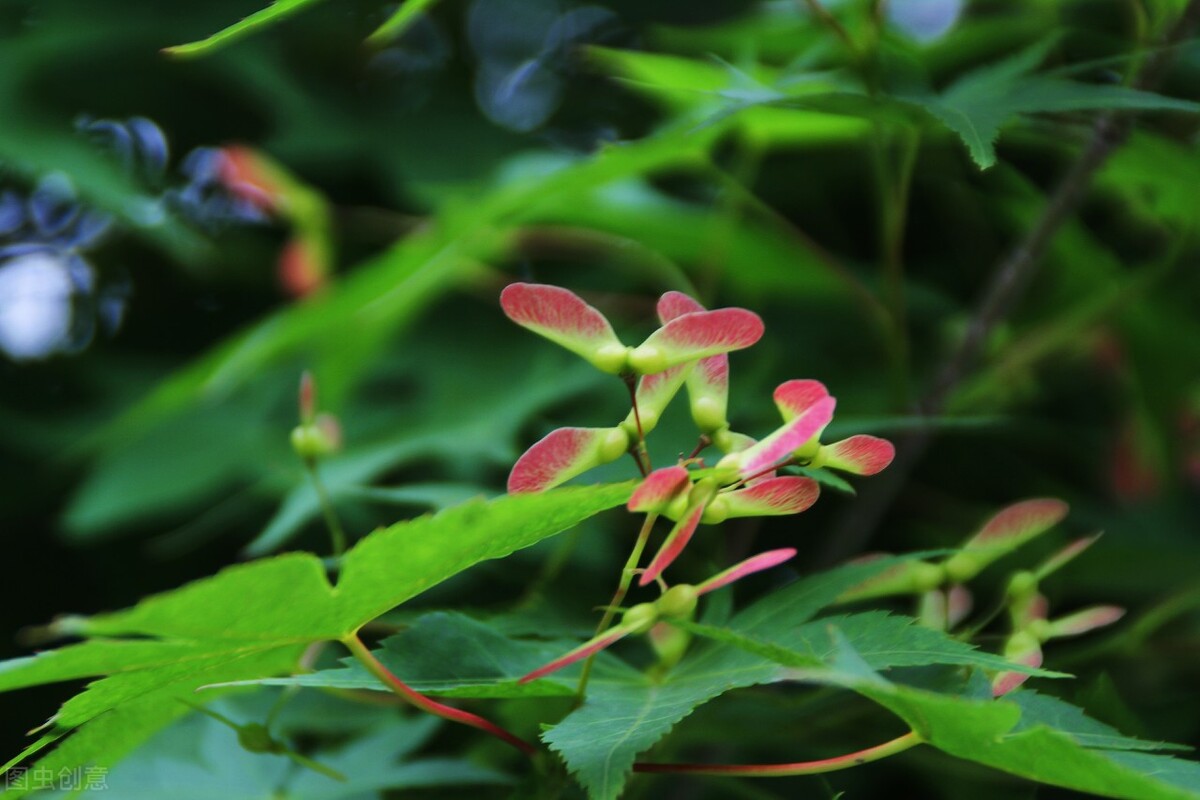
x=181, y=236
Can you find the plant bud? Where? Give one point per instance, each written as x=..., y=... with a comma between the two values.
x=315, y=440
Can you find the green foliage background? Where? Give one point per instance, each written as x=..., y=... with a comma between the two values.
x=721, y=148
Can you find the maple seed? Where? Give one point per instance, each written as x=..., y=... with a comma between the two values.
x=678, y=601
x=256, y=739
x=647, y=360
x=708, y=413
x=612, y=358
x=640, y=618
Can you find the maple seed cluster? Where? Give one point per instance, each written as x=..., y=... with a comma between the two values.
x=690, y=350
x=945, y=601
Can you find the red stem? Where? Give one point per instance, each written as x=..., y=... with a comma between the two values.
x=855, y=759
x=762, y=472
x=640, y=454
x=376, y=668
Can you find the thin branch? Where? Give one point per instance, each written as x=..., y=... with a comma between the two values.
x=385, y=676
x=337, y=534
x=827, y=19
x=610, y=612
x=855, y=759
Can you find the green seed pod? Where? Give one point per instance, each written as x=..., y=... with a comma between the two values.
x=1022, y=585
x=911, y=577
x=612, y=358
x=811, y=452
x=641, y=617
x=647, y=360
x=1020, y=644
x=312, y=442
x=256, y=739
x=670, y=643
x=615, y=444
x=679, y=601
x=724, y=439
x=709, y=415
x=716, y=512
x=1040, y=629
x=964, y=565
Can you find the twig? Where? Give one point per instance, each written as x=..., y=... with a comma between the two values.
x=830, y=21
x=337, y=534
x=385, y=676
x=856, y=759
x=610, y=612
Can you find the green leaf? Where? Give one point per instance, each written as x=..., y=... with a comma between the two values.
x=256, y=619
x=200, y=758
x=182, y=464
x=399, y=21
x=998, y=733
x=600, y=740
x=625, y=712
x=1041, y=709
x=453, y=655
x=427, y=495
x=708, y=91
x=1152, y=175
x=881, y=639
x=276, y=12
x=980, y=102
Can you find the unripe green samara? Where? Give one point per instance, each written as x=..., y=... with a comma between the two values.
x=641, y=617
x=964, y=565
x=310, y=442
x=256, y=739
x=811, y=452
x=1040, y=629
x=679, y=601
x=1022, y=585
x=612, y=358
x=723, y=439
x=709, y=415
x=926, y=576
x=647, y=360
x=614, y=445
x=1020, y=644
x=670, y=643
x=716, y=512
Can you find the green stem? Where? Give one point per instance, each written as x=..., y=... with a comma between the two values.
x=385, y=676
x=855, y=759
x=337, y=534
x=822, y=15
x=892, y=186
x=610, y=612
